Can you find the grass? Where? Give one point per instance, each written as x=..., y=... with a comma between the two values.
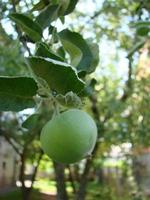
x=40, y=186
x=94, y=192
x=45, y=185
x=16, y=195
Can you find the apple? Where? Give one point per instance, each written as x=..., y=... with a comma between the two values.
x=69, y=137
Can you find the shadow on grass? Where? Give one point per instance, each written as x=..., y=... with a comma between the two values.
x=16, y=195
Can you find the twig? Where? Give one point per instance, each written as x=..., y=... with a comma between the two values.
x=19, y=31
x=128, y=86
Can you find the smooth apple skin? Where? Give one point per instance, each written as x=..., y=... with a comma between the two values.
x=69, y=137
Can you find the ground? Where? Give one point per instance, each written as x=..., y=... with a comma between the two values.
x=16, y=194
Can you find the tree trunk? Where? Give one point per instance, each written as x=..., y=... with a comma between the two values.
x=83, y=182
x=22, y=175
x=84, y=177
x=76, y=172
x=29, y=190
x=60, y=181
x=24, y=190
x=71, y=179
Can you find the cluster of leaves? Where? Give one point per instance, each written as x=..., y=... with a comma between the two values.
x=56, y=66
x=11, y=62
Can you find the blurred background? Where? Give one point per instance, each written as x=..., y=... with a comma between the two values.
x=118, y=99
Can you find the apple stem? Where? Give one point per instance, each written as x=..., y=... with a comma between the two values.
x=56, y=108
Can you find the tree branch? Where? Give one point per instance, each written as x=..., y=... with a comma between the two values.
x=8, y=139
x=128, y=86
x=60, y=180
x=36, y=167
x=21, y=38
x=85, y=175
x=71, y=179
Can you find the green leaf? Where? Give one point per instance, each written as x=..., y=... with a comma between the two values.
x=40, y=5
x=142, y=30
x=31, y=28
x=95, y=53
x=51, y=29
x=89, y=88
x=60, y=76
x=79, y=50
x=61, y=52
x=16, y=93
x=141, y=23
x=63, y=7
x=143, y=27
x=31, y=121
x=70, y=100
x=136, y=48
x=49, y=14
x=62, y=19
x=71, y=6
x=43, y=51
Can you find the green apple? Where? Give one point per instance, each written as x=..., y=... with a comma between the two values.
x=69, y=137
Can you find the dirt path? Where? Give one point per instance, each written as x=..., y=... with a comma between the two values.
x=48, y=197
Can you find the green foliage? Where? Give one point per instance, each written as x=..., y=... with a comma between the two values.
x=60, y=76
x=81, y=55
x=94, y=48
x=31, y=28
x=31, y=121
x=16, y=93
x=49, y=14
x=65, y=7
x=98, y=192
x=136, y=47
x=40, y=5
x=70, y=100
x=44, y=51
x=109, y=23
x=142, y=27
x=17, y=195
x=11, y=62
x=71, y=6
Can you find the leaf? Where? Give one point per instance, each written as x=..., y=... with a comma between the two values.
x=89, y=88
x=60, y=76
x=31, y=28
x=62, y=19
x=95, y=53
x=141, y=23
x=77, y=47
x=61, y=52
x=51, y=29
x=40, y=5
x=82, y=74
x=143, y=27
x=16, y=93
x=70, y=100
x=136, y=48
x=48, y=15
x=31, y=121
x=142, y=30
x=71, y=6
x=63, y=7
x=43, y=51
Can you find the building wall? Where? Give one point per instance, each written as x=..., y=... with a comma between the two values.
x=8, y=164
x=143, y=161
